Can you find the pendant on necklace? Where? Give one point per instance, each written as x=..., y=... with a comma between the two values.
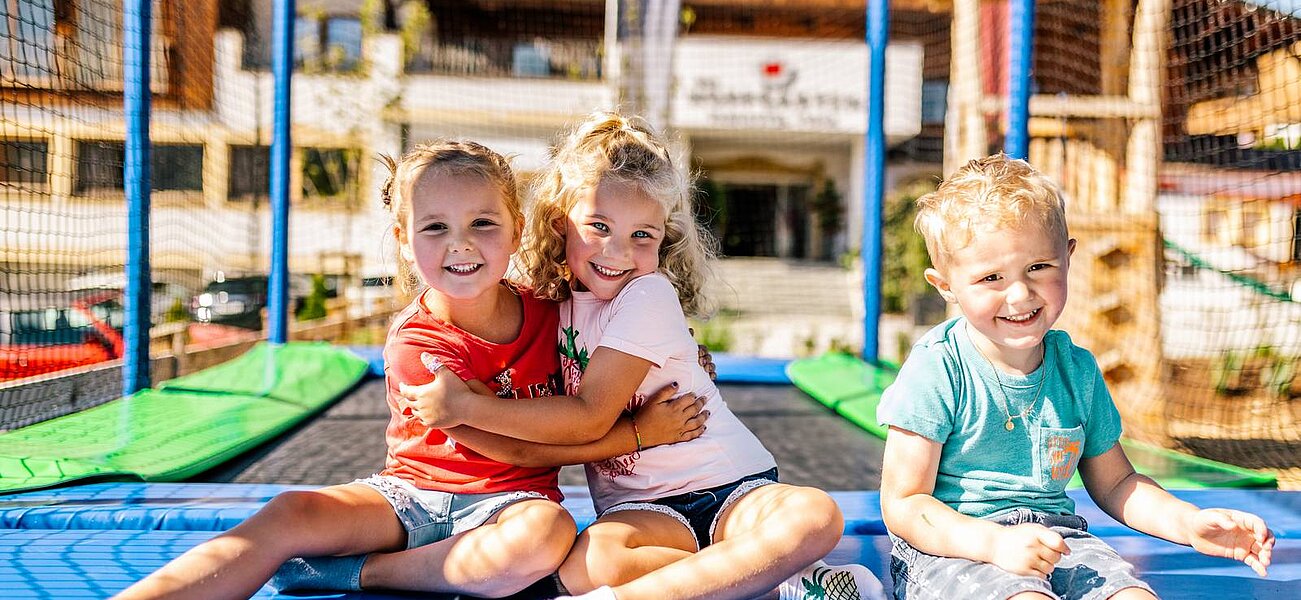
x=1008, y=425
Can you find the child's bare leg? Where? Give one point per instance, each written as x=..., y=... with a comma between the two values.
x=1133, y=594
x=767, y=535
x=522, y=543
x=343, y=519
x=623, y=546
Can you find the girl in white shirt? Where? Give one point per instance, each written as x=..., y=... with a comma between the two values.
x=613, y=236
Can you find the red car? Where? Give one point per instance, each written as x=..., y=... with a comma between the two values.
x=87, y=330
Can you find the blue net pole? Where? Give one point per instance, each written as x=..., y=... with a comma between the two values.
x=878, y=33
x=282, y=67
x=1020, y=56
x=136, y=181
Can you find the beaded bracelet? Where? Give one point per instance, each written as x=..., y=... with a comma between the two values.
x=635, y=431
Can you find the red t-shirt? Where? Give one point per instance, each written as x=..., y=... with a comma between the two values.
x=527, y=367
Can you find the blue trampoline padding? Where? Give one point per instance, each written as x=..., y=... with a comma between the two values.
x=170, y=506
x=219, y=506
x=731, y=368
x=373, y=355
x=38, y=563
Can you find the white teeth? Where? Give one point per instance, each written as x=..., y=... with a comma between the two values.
x=607, y=272
x=470, y=268
x=1023, y=318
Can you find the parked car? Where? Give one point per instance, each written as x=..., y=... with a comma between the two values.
x=238, y=301
x=83, y=327
x=235, y=301
x=374, y=294
x=164, y=295
x=80, y=328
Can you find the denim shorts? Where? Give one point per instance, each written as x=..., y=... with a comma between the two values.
x=1093, y=570
x=430, y=516
x=699, y=510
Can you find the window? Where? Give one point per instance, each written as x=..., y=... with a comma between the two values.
x=329, y=172
x=935, y=96
x=27, y=41
x=176, y=167
x=54, y=44
x=98, y=62
x=327, y=43
x=250, y=172
x=99, y=166
x=1255, y=224
x=343, y=42
x=1215, y=225
x=24, y=163
x=108, y=311
x=46, y=326
x=171, y=166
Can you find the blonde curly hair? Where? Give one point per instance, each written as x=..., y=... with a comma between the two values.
x=610, y=146
x=996, y=191
x=448, y=157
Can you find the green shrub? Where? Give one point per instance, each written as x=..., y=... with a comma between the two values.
x=904, y=259
x=314, y=304
x=176, y=312
x=715, y=334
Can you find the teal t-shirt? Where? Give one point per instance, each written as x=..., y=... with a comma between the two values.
x=947, y=392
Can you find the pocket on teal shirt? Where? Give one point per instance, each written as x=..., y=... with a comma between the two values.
x=1059, y=455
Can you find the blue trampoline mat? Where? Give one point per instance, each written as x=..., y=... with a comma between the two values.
x=90, y=563
x=93, y=540
x=218, y=506
x=731, y=368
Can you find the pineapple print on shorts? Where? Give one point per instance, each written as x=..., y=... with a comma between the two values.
x=830, y=584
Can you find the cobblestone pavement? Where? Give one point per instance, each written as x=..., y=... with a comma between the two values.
x=813, y=446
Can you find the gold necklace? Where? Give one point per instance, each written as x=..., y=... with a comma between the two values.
x=1007, y=404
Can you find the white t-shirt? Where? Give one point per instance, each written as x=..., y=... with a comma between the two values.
x=646, y=320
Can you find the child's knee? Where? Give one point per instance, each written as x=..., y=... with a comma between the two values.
x=811, y=511
x=1132, y=593
x=292, y=510
x=589, y=564
x=543, y=532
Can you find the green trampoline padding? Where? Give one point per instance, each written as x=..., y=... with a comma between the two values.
x=853, y=388
x=189, y=425
x=302, y=373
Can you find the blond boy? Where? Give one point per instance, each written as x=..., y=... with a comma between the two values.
x=994, y=410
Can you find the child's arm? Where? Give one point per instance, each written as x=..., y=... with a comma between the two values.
x=646, y=326
x=910, y=511
x=661, y=420
x=610, y=381
x=1139, y=502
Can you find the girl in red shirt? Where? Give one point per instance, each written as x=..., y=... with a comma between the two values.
x=458, y=221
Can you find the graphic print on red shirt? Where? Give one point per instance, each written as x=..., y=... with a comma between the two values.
x=524, y=368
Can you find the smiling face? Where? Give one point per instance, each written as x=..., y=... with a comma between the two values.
x=459, y=234
x=612, y=236
x=1011, y=285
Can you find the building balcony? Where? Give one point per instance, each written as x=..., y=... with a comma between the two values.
x=572, y=60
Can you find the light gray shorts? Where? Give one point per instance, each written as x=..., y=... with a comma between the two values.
x=1092, y=571
x=430, y=516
